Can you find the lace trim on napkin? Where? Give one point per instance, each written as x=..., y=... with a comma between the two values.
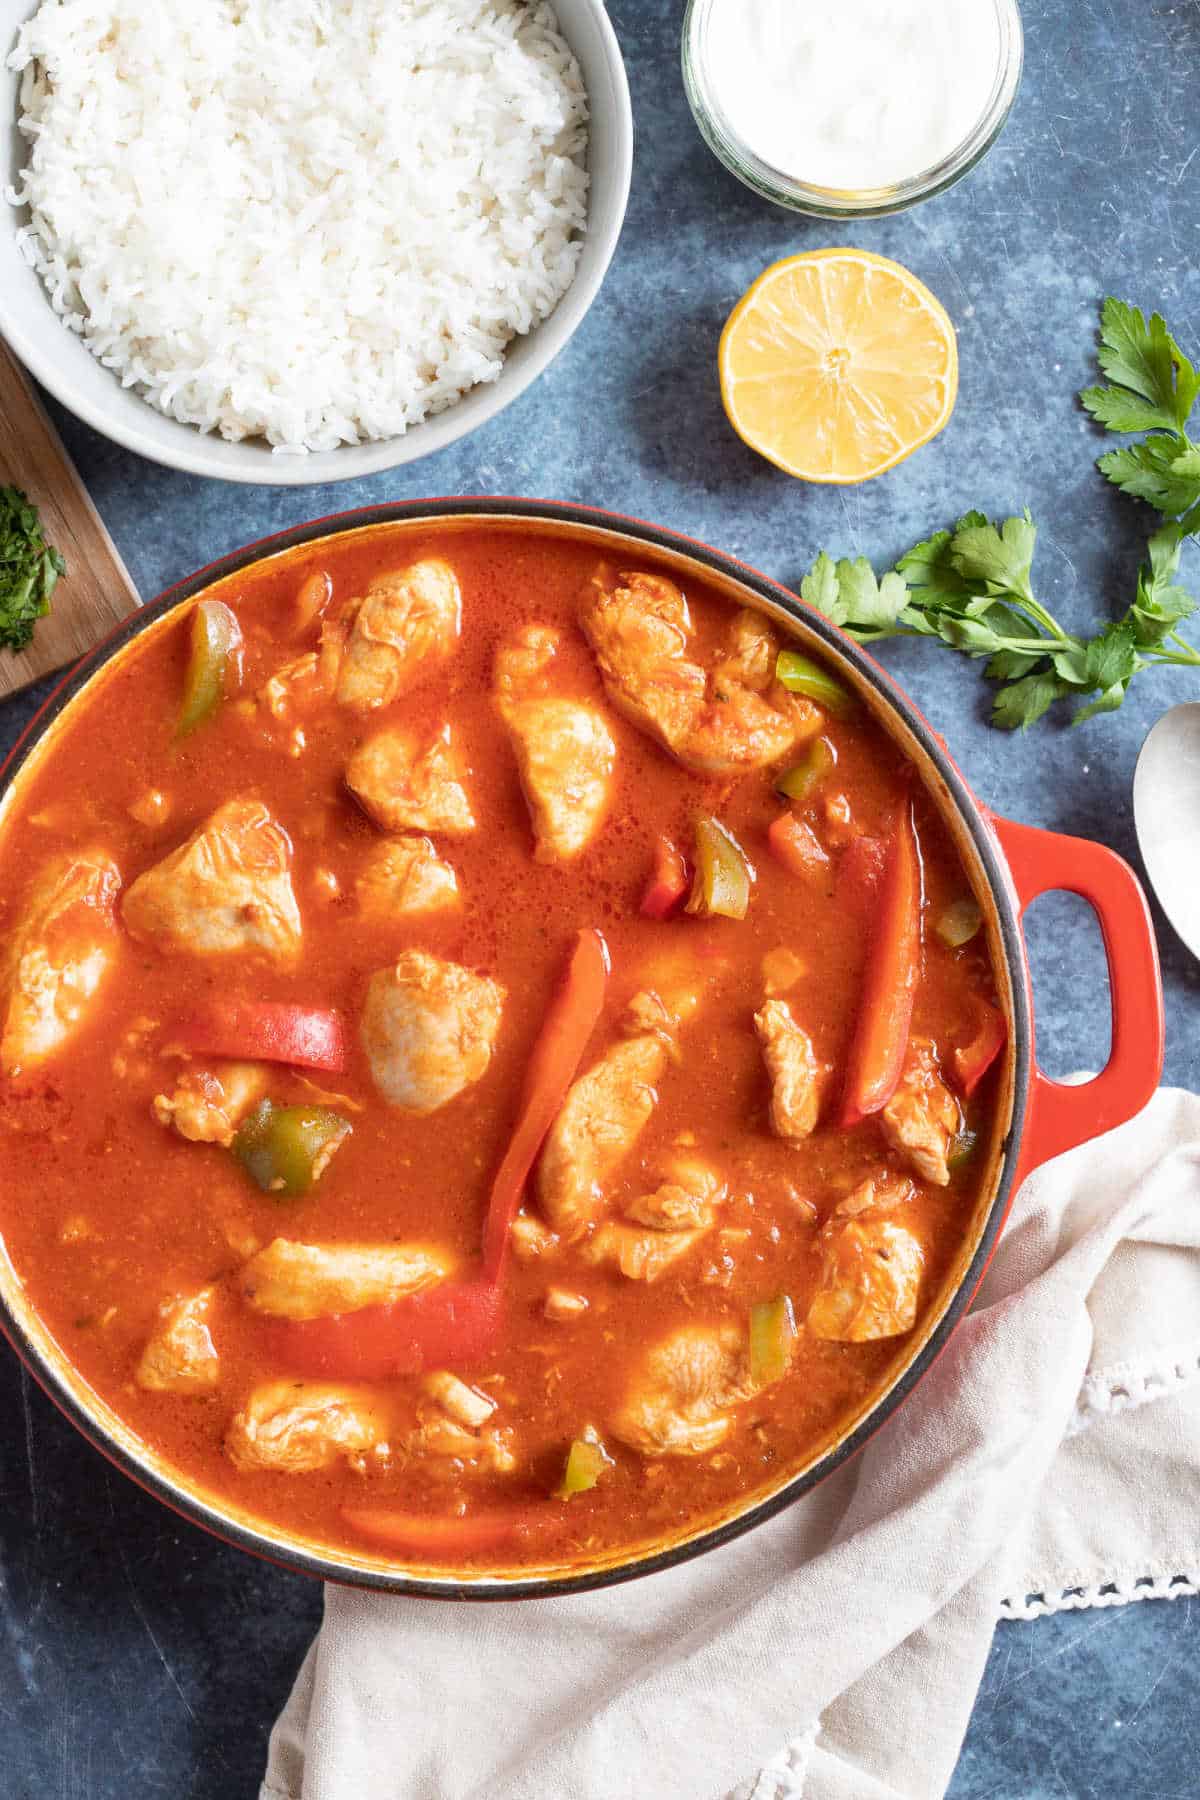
x=785, y=1775
x=1119, y=1388
x=1117, y=1590
x=1122, y=1387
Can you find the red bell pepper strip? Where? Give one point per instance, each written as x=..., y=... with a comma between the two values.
x=669, y=883
x=795, y=845
x=972, y=1061
x=265, y=1031
x=568, y=1026
x=881, y=1030
x=415, y=1535
x=457, y=1322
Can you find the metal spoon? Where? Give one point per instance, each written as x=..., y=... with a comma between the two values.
x=1166, y=813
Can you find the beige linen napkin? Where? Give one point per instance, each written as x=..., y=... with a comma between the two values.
x=1050, y=1459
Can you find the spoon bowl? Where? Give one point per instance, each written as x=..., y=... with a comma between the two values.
x=1166, y=814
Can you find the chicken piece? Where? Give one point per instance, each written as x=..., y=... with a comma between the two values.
x=180, y=1356
x=308, y=678
x=608, y=1107
x=465, y=1405
x=878, y=1194
x=604, y=1114
x=640, y=630
x=402, y=787
x=296, y=1427
x=686, y=1200
x=749, y=720
x=641, y=1253
x=207, y=1106
x=561, y=1305
x=727, y=720
x=226, y=891
x=429, y=1028
x=459, y=1450
x=752, y=653
x=662, y=1009
x=564, y=749
x=291, y=1280
x=797, y=1078
x=404, y=877
x=453, y=1430
x=287, y=694
x=406, y=624
x=870, y=1278
x=681, y=1398
x=922, y=1118
x=660, y=1227
x=530, y=1238
x=58, y=955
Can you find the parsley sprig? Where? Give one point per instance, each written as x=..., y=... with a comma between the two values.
x=972, y=587
x=29, y=568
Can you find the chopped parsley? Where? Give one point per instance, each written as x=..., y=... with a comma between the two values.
x=29, y=568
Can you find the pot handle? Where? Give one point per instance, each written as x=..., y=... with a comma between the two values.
x=1062, y=1115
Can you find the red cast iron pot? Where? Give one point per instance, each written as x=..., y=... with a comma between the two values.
x=1010, y=866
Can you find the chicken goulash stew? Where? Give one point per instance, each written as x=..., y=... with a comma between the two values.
x=495, y=1047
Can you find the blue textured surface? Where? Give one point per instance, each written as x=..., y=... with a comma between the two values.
x=137, y=1657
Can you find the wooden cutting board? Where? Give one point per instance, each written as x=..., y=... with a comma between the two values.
x=96, y=592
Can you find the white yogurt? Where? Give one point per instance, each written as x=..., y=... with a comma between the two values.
x=852, y=93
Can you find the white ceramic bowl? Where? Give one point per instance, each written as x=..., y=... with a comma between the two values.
x=71, y=373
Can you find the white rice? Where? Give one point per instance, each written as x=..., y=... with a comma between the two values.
x=315, y=221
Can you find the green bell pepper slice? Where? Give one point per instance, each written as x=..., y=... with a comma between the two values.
x=215, y=641
x=587, y=1460
x=801, y=675
x=772, y=1334
x=285, y=1149
x=721, y=885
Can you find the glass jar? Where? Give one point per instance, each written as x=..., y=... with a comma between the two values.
x=847, y=203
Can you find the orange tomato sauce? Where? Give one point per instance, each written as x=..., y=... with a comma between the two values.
x=106, y=1214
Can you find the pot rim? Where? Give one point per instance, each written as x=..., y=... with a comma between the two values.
x=325, y=1564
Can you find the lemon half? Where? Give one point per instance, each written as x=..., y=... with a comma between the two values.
x=838, y=364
